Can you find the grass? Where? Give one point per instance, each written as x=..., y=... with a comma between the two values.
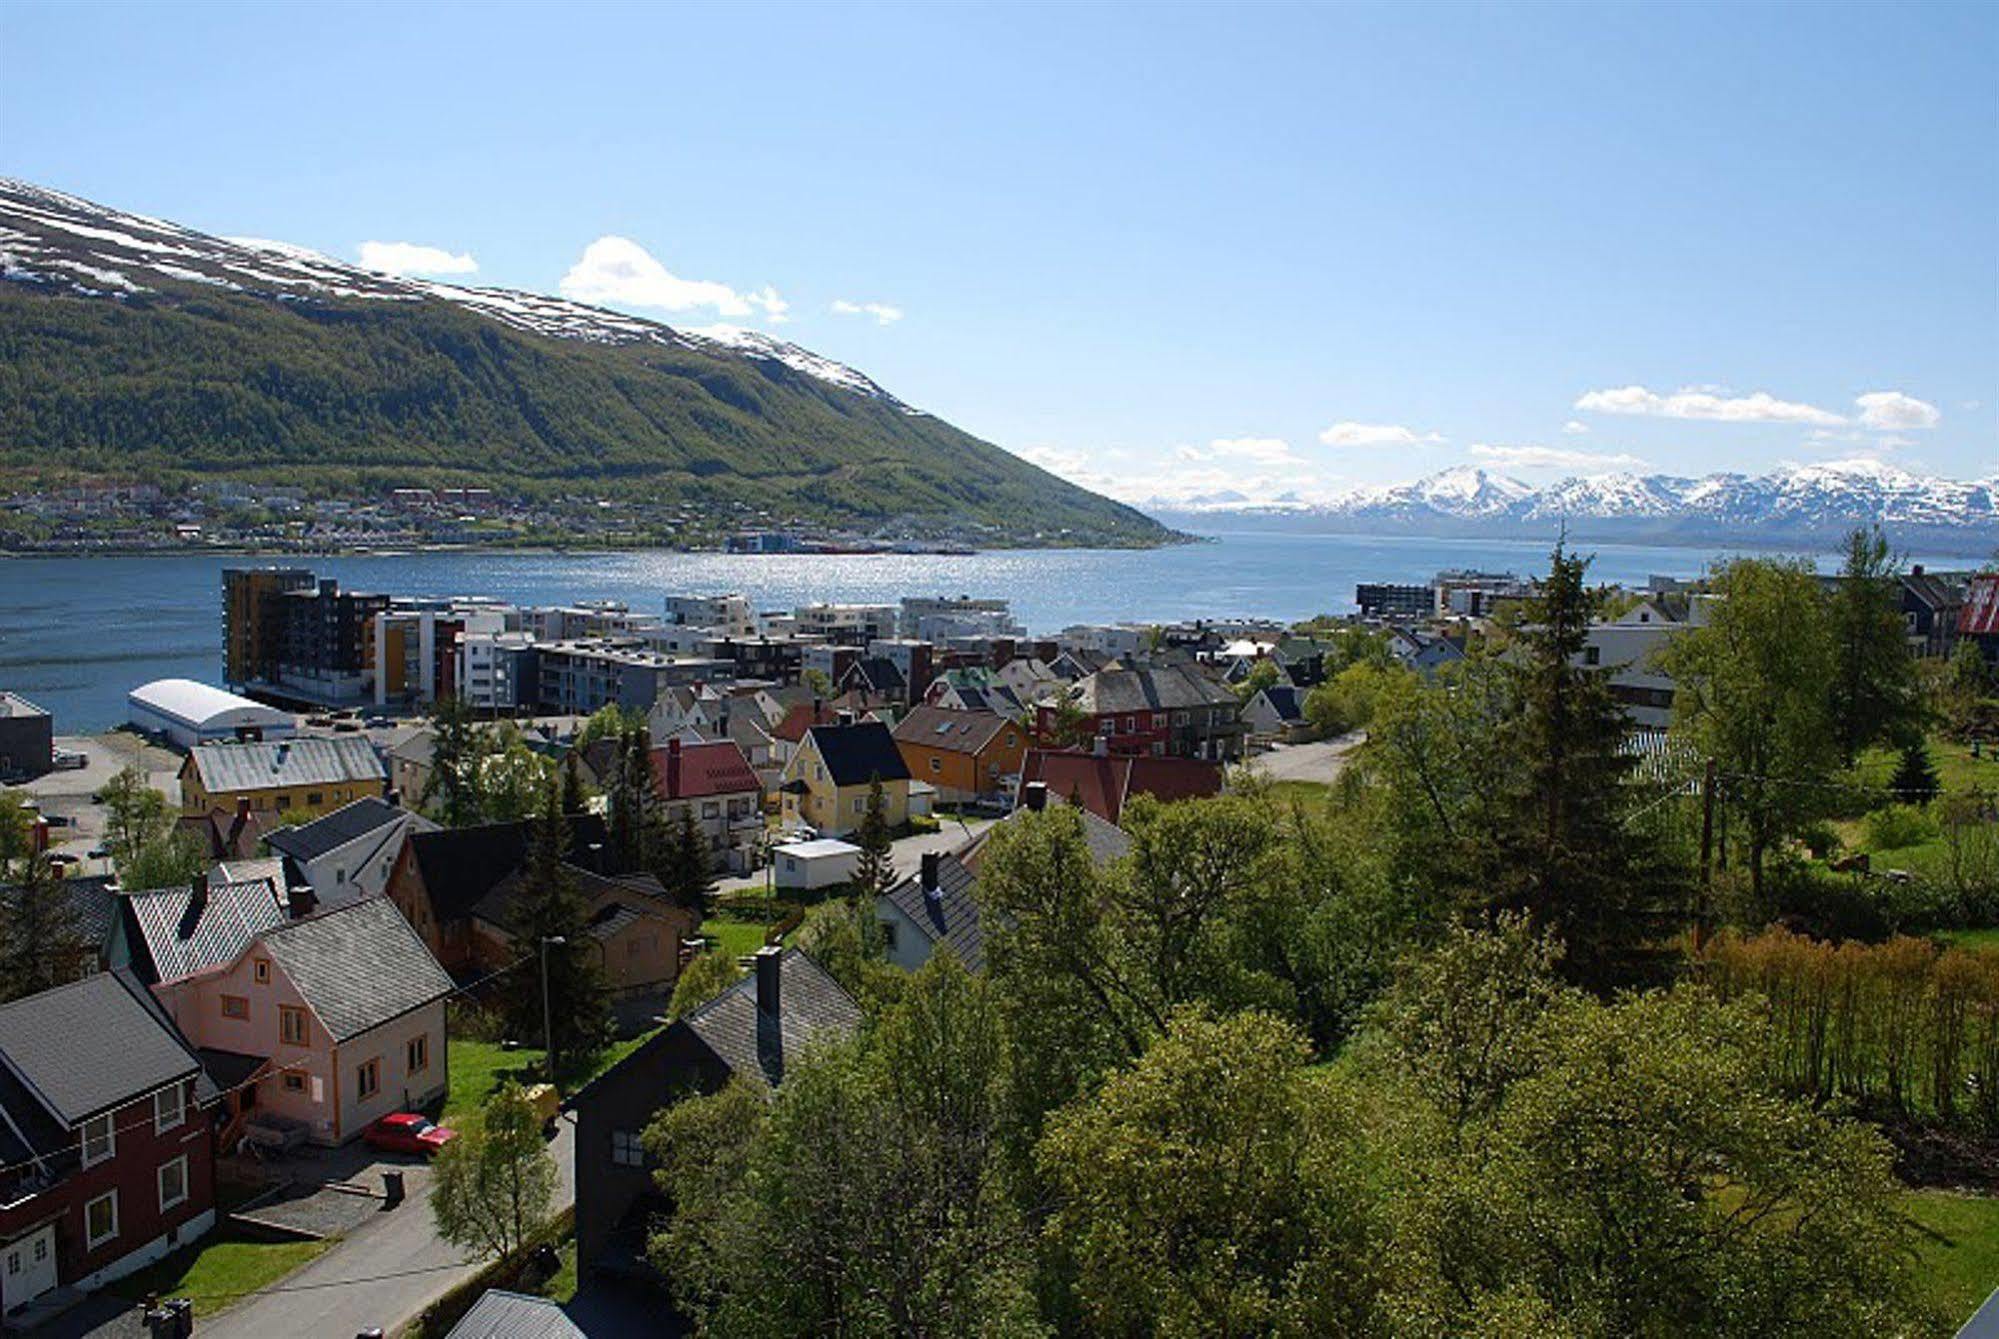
x=478, y=1068
x=219, y=1270
x=1310, y=794
x=1987, y=938
x=1958, y=1251
x=736, y=938
x=561, y=1285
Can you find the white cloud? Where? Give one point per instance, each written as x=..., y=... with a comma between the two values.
x=1256, y=450
x=1575, y=428
x=883, y=313
x=411, y=258
x=619, y=270
x=1376, y=434
x=1704, y=403
x=1241, y=469
x=1894, y=411
x=1552, y=458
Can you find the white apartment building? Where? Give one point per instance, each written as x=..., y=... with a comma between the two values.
x=938, y=618
x=853, y=624
x=724, y=615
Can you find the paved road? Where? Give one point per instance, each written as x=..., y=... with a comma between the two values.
x=908, y=852
x=1320, y=761
x=381, y=1275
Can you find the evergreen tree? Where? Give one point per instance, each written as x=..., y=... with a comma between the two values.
x=1562, y=850
x=574, y=800
x=41, y=940
x=684, y=869
x=637, y=812
x=456, y=752
x=549, y=907
x=1915, y=776
x=874, y=873
x=1874, y=679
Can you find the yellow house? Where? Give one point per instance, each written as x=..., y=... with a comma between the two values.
x=826, y=782
x=306, y=776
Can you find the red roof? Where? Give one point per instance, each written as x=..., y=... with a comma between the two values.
x=1103, y=784
x=700, y=770
x=800, y=719
x=1981, y=608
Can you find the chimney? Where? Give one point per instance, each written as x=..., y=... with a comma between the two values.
x=1035, y=796
x=301, y=901
x=932, y=861
x=673, y=768
x=393, y=798
x=1917, y=570
x=197, y=894
x=846, y=718
x=767, y=979
x=817, y=708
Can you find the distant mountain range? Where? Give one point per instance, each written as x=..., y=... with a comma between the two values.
x=1804, y=504
x=135, y=346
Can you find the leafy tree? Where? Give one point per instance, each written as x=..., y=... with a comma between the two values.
x=1915, y=780
x=135, y=815
x=1069, y=726
x=41, y=940
x=494, y=1184
x=546, y=908
x=510, y=779
x=167, y=861
x=1263, y=674
x=874, y=872
x=1873, y=681
x=818, y=682
x=16, y=830
x=1752, y=696
x=1346, y=701
x=705, y=976
x=610, y=721
x=457, y=748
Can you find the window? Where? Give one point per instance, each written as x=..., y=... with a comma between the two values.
x=936, y=763
x=419, y=1053
x=1592, y=655
x=294, y=1083
x=260, y=971
x=888, y=935
x=291, y=1025
x=314, y=797
x=627, y=1148
x=100, y=1219
x=711, y=808
x=173, y=1183
x=100, y=1140
x=235, y=1006
x=169, y=1109
x=339, y=875
x=860, y=804
x=368, y=1079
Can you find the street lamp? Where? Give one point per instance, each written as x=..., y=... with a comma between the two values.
x=547, y=1023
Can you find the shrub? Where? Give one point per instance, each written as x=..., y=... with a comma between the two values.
x=1895, y=826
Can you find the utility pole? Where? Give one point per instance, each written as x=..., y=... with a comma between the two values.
x=547, y=1022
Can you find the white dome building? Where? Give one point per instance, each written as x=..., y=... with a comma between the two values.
x=190, y=713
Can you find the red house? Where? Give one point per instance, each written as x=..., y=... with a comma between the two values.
x=106, y=1150
x=1102, y=783
x=1172, y=712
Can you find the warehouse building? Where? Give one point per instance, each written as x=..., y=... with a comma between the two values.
x=188, y=713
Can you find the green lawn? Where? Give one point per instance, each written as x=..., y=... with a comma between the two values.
x=1986, y=938
x=219, y=1270
x=737, y=939
x=1959, y=1248
x=478, y=1068
x=1307, y=793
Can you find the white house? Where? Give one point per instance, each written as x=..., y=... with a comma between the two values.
x=814, y=864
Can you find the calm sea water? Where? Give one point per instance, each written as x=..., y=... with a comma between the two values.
x=77, y=633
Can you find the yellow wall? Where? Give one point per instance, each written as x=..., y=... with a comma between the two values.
x=275, y=799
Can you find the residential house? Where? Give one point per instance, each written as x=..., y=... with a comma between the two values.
x=634, y=928
x=874, y=677
x=936, y=908
x=751, y=1031
x=335, y=1019
x=827, y=783
x=1979, y=619
x=963, y=754
x=231, y=836
x=1172, y=711
x=106, y=1157
x=348, y=854
x=1103, y=783
x=789, y=732
x=440, y=877
x=1629, y=654
x=304, y=776
x=94, y=905
x=499, y=1314
x=409, y=754
x=715, y=785
x=27, y=737
x=164, y=934
x=1277, y=712
x=1931, y=603
x=977, y=688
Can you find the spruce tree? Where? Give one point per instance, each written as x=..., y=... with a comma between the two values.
x=41, y=941
x=1873, y=688
x=1915, y=779
x=685, y=870
x=455, y=754
x=549, y=907
x=1561, y=848
x=574, y=801
x=874, y=873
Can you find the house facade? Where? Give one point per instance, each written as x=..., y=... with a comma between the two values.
x=350, y=853
x=305, y=776
x=828, y=781
x=1171, y=711
x=635, y=930
x=963, y=754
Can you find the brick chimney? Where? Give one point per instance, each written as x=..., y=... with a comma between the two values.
x=197, y=894
x=301, y=901
x=673, y=768
x=767, y=979
x=931, y=875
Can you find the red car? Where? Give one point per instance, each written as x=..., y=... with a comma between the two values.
x=407, y=1132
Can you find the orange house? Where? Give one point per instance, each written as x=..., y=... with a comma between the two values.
x=964, y=754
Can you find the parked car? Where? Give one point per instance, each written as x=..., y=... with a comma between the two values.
x=100, y=852
x=63, y=859
x=67, y=760
x=408, y=1132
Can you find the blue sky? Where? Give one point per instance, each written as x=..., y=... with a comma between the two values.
x=1165, y=250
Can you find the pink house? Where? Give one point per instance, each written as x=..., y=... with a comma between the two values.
x=332, y=1020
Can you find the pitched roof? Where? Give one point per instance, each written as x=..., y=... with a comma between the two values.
x=358, y=966
x=1171, y=689
x=92, y=1045
x=951, y=917
x=855, y=754
x=226, y=835
x=1104, y=784
x=225, y=768
x=800, y=718
x=459, y=866
x=1980, y=617
x=952, y=731
x=182, y=935
x=751, y=1043
x=878, y=672
x=348, y=823
x=499, y=1314
x=1286, y=701
x=92, y=898
x=717, y=768
x=497, y=906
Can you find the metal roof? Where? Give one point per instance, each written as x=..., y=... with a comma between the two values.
x=350, y=822
x=228, y=768
x=359, y=966
x=951, y=917
x=182, y=937
x=46, y=1039
x=499, y=1314
x=199, y=704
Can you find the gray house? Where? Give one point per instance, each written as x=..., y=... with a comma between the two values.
x=934, y=909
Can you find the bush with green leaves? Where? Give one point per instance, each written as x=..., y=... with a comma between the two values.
x=1894, y=826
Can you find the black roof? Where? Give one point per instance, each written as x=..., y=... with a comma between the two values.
x=92, y=899
x=811, y=1005
x=952, y=917
x=1286, y=701
x=642, y=890
x=357, y=967
x=93, y=1045
x=854, y=754
x=348, y=823
x=461, y=865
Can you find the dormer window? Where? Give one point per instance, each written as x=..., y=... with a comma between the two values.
x=260, y=971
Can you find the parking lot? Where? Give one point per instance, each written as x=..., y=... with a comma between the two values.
x=65, y=797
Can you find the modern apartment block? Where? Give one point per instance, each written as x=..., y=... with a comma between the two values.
x=253, y=622
x=578, y=677
x=847, y=624
x=938, y=618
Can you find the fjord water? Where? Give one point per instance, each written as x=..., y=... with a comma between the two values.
x=76, y=634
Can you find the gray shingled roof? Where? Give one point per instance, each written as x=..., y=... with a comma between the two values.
x=350, y=822
x=952, y=731
x=499, y=1314
x=181, y=938
x=47, y=1040
x=290, y=762
x=1106, y=840
x=359, y=966
x=1119, y=690
x=952, y=917
x=811, y=1005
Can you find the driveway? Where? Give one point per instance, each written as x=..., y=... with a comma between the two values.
x=908, y=852
x=386, y=1272
x=67, y=794
x=1321, y=761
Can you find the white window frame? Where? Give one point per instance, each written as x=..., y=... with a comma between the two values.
x=110, y=1140
x=91, y=1241
x=364, y=1088
x=160, y=1122
x=160, y=1182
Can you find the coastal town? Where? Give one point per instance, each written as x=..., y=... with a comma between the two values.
x=303, y=912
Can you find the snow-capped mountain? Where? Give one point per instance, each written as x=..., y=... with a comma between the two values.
x=47, y=237
x=1799, y=503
